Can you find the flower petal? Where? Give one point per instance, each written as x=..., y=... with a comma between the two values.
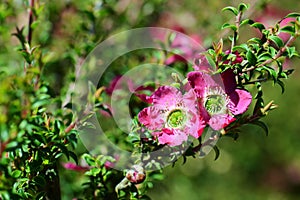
x=217, y=122
x=195, y=126
x=151, y=118
x=239, y=101
x=172, y=137
x=166, y=97
x=199, y=81
x=229, y=82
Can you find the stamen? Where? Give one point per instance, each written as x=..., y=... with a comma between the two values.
x=216, y=101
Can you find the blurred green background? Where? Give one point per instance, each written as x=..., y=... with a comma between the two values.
x=254, y=167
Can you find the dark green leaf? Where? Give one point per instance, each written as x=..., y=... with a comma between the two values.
x=217, y=152
x=262, y=125
x=232, y=9
x=63, y=149
x=40, y=180
x=281, y=84
x=74, y=157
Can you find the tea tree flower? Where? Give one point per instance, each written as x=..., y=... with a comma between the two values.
x=173, y=116
x=218, y=105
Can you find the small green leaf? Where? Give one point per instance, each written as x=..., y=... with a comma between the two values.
x=242, y=7
x=263, y=57
x=16, y=173
x=258, y=25
x=89, y=159
x=251, y=57
x=241, y=47
x=288, y=29
x=217, y=152
x=254, y=40
x=246, y=21
x=211, y=62
x=231, y=26
x=232, y=9
x=292, y=15
x=277, y=40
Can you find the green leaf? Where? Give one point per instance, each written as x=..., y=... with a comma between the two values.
x=281, y=84
x=292, y=15
x=89, y=159
x=16, y=173
x=277, y=40
x=211, y=62
x=217, y=152
x=263, y=57
x=64, y=150
x=40, y=103
x=231, y=26
x=258, y=25
x=232, y=9
x=271, y=72
x=254, y=40
x=241, y=47
x=288, y=29
x=246, y=21
x=262, y=125
x=74, y=157
x=251, y=58
x=291, y=52
x=242, y=7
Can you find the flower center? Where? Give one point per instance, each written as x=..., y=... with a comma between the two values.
x=176, y=119
x=216, y=102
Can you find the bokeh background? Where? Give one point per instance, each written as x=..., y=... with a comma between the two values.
x=254, y=167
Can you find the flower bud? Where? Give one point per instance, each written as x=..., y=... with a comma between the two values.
x=136, y=174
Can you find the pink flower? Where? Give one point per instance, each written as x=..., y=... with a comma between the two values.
x=218, y=105
x=173, y=116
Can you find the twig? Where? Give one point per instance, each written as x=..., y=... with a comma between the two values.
x=236, y=32
x=31, y=7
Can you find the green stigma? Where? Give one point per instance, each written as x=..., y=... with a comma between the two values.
x=215, y=104
x=176, y=119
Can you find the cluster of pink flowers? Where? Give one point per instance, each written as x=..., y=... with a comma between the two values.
x=174, y=115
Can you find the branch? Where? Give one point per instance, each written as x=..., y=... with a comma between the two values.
x=279, y=54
